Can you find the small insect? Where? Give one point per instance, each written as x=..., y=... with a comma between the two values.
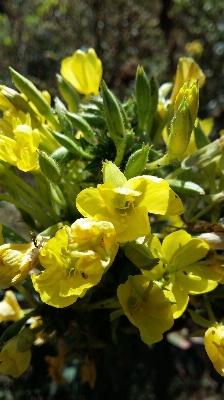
x=84, y=275
x=34, y=239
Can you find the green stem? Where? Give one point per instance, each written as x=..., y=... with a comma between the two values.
x=161, y=162
x=209, y=308
x=175, y=173
x=215, y=199
x=58, y=197
x=191, y=207
x=26, y=294
x=120, y=147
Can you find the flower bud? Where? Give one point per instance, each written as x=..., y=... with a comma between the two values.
x=137, y=162
x=154, y=91
x=180, y=130
x=49, y=167
x=114, y=121
x=112, y=113
x=192, y=94
x=143, y=96
x=33, y=94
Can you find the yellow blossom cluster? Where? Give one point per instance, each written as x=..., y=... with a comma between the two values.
x=96, y=229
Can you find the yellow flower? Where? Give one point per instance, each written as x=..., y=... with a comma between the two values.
x=20, y=150
x=16, y=260
x=180, y=270
x=146, y=307
x=9, y=308
x=83, y=71
x=187, y=70
x=75, y=260
x=214, y=346
x=126, y=203
x=16, y=354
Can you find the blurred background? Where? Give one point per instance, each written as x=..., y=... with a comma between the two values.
x=35, y=36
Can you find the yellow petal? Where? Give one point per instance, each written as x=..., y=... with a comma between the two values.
x=9, y=308
x=214, y=346
x=146, y=307
x=83, y=71
x=156, y=195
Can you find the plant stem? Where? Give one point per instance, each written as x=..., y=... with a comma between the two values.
x=209, y=308
x=161, y=162
x=26, y=294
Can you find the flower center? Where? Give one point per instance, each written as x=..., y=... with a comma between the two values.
x=123, y=200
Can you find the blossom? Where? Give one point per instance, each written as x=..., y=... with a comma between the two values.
x=180, y=270
x=75, y=260
x=16, y=354
x=126, y=203
x=83, y=71
x=146, y=307
x=16, y=260
x=20, y=149
x=214, y=346
x=9, y=308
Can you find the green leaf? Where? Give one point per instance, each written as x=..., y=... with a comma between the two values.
x=199, y=320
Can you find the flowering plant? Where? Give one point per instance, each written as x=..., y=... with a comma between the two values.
x=121, y=206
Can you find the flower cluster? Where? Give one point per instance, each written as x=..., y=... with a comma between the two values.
x=113, y=224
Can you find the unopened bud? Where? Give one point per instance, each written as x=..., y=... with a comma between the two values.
x=137, y=162
x=112, y=113
x=114, y=121
x=143, y=96
x=49, y=167
x=180, y=130
x=192, y=94
x=34, y=95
